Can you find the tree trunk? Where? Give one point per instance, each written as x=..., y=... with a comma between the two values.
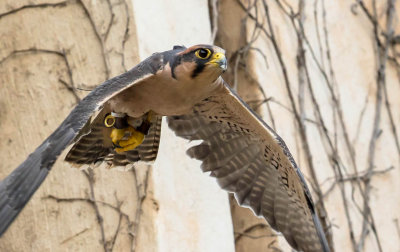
x=53, y=53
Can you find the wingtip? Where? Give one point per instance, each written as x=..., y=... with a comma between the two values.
x=321, y=233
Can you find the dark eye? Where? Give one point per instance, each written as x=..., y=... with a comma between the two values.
x=203, y=53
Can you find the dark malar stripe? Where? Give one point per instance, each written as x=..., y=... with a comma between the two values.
x=199, y=68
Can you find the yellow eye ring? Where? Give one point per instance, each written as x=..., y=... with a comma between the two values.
x=203, y=53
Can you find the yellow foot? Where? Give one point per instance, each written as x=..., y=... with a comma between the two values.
x=132, y=139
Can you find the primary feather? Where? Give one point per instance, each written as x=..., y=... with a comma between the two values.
x=249, y=159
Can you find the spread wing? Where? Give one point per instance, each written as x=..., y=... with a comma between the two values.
x=17, y=188
x=249, y=159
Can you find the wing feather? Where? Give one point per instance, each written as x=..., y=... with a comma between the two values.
x=249, y=159
x=18, y=187
x=93, y=145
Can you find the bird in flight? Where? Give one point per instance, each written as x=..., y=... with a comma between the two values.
x=119, y=123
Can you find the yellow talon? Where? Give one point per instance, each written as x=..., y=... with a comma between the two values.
x=126, y=138
x=116, y=135
x=134, y=139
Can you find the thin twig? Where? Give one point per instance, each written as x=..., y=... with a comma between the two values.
x=32, y=6
x=141, y=193
x=381, y=81
x=90, y=177
x=250, y=229
x=99, y=38
x=213, y=7
x=70, y=86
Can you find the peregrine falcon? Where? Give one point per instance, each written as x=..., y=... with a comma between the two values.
x=119, y=123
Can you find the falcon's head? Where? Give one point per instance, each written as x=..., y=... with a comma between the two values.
x=198, y=62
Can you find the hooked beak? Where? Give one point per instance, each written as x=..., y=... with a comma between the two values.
x=219, y=60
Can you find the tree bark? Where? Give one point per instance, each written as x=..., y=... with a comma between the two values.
x=53, y=53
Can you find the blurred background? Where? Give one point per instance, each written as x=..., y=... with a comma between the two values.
x=324, y=74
